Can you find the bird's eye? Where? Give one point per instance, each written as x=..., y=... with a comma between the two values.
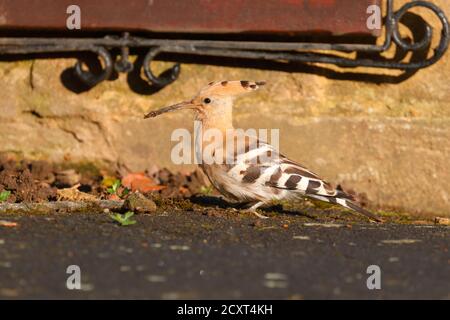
x=207, y=100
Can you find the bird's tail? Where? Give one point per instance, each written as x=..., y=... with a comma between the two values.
x=353, y=206
x=349, y=204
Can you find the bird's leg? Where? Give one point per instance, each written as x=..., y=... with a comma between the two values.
x=253, y=209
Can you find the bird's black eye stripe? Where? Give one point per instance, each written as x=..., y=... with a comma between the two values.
x=207, y=100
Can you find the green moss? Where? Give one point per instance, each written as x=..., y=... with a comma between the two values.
x=171, y=203
x=397, y=217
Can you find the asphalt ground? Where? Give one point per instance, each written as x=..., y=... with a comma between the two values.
x=212, y=255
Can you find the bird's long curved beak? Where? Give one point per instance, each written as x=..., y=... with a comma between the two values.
x=178, y=106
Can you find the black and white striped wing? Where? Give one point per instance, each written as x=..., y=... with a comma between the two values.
x=262, y=167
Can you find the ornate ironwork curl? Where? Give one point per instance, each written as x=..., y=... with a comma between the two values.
x=90, y=78
x=170, y=75
x=305, y=52
x=426, y=40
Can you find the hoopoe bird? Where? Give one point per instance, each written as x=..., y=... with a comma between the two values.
x=257, y=173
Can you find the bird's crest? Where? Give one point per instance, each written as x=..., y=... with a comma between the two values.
x=231, y=88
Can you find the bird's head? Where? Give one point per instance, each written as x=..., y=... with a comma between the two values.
x=215, y=98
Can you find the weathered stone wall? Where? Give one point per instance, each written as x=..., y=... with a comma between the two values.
x=390, y=141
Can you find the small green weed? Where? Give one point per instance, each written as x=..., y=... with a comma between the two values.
x=4, y=195
x=114, y=189
x=124, y=219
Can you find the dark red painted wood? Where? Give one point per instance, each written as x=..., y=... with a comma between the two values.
x=193, y=16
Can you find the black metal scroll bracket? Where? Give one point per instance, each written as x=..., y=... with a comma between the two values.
x=284, y=51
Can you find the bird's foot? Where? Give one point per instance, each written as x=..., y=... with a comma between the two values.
x=261, y=216
x=253, y=208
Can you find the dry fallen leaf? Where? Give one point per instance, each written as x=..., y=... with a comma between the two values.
x=443, y=221
x=140, y=182
x=5, y=223
x=154, y=188
x=73, y=194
